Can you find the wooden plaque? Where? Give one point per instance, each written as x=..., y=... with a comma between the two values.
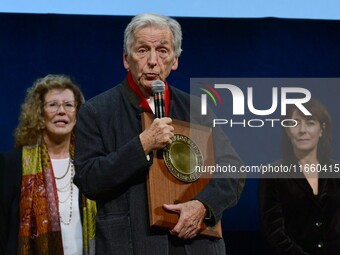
x=165, y=188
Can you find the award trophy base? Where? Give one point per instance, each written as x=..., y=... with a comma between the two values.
x=170, y=180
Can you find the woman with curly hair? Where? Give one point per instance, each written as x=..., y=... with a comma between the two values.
x=40, y=209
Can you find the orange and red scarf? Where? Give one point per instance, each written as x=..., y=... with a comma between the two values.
x=39, y=223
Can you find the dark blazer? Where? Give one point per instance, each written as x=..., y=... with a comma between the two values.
x=111, y=168
x=295, y=221
x=10, y=185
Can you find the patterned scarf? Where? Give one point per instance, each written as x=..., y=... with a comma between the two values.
x=39, y=226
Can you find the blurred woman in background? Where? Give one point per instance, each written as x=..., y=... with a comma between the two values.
x=301, y=214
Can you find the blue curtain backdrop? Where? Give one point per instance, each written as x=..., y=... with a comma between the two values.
x=89, y=49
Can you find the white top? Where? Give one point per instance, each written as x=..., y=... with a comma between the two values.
x=72, y=236
x=151, y=103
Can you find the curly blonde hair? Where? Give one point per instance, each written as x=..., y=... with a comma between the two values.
x=31, y=121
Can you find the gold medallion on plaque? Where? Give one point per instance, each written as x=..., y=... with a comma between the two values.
x=183, y=158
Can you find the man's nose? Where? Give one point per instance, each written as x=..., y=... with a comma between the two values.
x=152, y=60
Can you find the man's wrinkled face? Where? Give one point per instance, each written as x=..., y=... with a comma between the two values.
x=151, y=57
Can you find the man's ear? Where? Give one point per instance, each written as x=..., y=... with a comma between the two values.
x=175, y=64
x=125, y=60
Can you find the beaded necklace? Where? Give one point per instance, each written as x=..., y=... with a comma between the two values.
x=67, y=188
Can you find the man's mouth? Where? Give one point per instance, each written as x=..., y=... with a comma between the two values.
x=151, y=76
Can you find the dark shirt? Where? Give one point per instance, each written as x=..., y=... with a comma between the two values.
x=295, y=221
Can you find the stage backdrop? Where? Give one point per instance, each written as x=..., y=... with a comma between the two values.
x=89, y=49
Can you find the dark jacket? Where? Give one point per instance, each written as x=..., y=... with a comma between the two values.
x=111, y=168
x=10, y=185
x=295, y=221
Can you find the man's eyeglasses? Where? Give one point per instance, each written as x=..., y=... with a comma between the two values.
x=54, y=106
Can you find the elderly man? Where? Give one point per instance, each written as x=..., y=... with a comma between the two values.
x=113, y=153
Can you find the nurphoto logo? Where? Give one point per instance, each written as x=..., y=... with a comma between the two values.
x=242, y=100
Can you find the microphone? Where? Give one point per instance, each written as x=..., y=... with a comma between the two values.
x=158, y=88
